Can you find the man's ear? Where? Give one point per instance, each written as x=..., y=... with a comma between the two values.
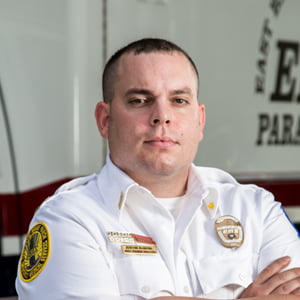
x=102, y=115
x=202, y=119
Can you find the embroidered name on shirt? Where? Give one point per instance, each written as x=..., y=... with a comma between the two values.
x=142, y=250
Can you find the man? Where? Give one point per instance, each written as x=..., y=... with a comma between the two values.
x=151, y=224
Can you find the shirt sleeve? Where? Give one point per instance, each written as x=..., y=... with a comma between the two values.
x=77, y=267
x=280, y=237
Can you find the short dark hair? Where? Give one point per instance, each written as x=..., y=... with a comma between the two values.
x=146, y=45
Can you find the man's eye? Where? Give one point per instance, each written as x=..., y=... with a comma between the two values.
x=181, y=101
x=138, y=101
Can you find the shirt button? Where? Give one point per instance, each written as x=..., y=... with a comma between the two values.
x=243, y=276
x=145, y=289
x=186, y=289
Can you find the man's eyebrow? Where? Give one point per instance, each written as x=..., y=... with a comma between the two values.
x=146, y=92
x=186, y=90
x=133, y=91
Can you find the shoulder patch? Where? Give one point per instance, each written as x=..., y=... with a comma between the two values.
x=35, y=253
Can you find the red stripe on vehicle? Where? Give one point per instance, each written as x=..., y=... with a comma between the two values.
x=16, y=211
x=285, y=191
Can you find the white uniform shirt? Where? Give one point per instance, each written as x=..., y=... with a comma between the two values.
x=91, y=218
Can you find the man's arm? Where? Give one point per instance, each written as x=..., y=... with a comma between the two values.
x=269, y=297
x=271, y=284
x=272, y=280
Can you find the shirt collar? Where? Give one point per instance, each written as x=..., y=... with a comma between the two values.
x=206, y=191
x=114, y=186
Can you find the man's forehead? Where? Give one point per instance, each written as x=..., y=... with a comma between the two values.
x=129, y=61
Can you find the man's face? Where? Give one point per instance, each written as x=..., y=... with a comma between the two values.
x=154, y=123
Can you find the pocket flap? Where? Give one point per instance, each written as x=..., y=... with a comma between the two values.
x=219, y=271
x=143, y=276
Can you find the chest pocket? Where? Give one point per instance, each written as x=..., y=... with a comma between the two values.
x=234, y=271
x=142, y=275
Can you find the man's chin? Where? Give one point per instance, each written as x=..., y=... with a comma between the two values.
x=163, y=168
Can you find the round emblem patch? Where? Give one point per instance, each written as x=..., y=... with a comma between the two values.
x=35, y=252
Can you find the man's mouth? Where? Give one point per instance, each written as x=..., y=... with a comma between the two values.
x=161, y=142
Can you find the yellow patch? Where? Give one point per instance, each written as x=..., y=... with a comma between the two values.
x=35, y=253
x=211, y=205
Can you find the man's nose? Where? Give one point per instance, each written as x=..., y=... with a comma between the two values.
x=158, y=121
x=161, y=114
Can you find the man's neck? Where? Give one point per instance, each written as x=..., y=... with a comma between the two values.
x=164, y=186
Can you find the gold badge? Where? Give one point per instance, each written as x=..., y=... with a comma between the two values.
x=229, y=231
x=35, y=252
